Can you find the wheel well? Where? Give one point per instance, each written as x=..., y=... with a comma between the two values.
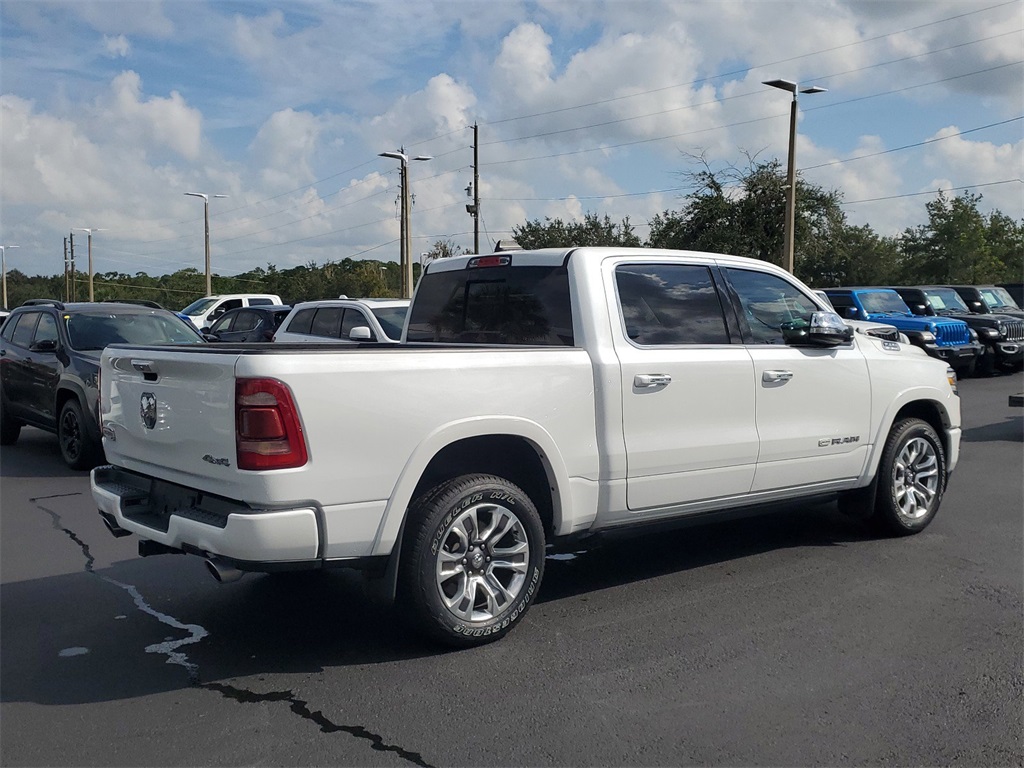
x=929, y=412
x=509, y=456
x=63, y=395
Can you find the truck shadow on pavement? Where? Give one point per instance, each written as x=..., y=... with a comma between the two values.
x=161, y=624
x=1010, y=430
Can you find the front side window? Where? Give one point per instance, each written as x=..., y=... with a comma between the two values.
x=245, y=321
x=46, y=330
x=391, y=319
x=494, y=305
x=353, y=318
x=198, y=307
x=327, y=322
x=767, y=301
x=670, y=304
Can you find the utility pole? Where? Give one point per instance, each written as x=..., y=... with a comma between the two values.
x=475, y=213
x=405, y=237
x=67, y=286
x=74, y=287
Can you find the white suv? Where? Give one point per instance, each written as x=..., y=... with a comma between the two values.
x=202, y=312
x=345, y=320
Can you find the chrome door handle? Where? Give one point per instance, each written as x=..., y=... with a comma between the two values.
x=647, y=380
x=776, y=376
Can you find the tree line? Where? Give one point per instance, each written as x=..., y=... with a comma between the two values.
x=736, y=210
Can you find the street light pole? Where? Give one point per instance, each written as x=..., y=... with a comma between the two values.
x=3, y=268
x=90, y=231
x=405, y=235
x=790, y=230
x=206, y=219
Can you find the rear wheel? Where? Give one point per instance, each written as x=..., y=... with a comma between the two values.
x=474, y=559
x=911, y=478
x=79, y=450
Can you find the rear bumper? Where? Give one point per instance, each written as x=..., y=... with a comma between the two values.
x=191, y=521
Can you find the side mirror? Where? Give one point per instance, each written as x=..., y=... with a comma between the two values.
x=360, y=333
x=919, y=309
x=850, y=313
x=209, y=336
x=825, y=329
x=46, y=345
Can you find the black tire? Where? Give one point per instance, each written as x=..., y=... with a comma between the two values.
x=454, y=586
x=9, y=428
x=911, y=478
x=986, y=365
x=79, y=449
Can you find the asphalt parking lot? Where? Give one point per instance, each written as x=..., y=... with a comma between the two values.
x=791, y=639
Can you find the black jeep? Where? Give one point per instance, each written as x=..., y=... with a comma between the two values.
x=1002, y=335
x=49, y=361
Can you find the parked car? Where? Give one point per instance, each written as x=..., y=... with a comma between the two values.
x=203, y=312
x=1002, y=336
x=345, y=320
x=985, y=299
x=878, y=330
x=943, y=338
x=247, y=324
x=50, y=353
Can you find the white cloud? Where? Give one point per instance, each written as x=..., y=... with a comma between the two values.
x=167, y=122
x=117, y=47
x=284, y=147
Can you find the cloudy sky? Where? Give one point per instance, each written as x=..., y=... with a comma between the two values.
x=112, y=111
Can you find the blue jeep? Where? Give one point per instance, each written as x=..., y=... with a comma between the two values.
x=942, y=337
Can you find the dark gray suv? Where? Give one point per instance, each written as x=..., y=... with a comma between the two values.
x=49, y=361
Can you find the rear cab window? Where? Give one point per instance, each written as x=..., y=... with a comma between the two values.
x=503, y=304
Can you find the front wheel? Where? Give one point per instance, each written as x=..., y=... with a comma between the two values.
x=79, y=450
x=10, y=428
x=474, y=559
x=911, y=478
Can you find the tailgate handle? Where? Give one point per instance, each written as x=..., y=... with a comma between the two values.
x=143, y=366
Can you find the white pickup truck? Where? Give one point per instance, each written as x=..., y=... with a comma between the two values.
x=537, y=396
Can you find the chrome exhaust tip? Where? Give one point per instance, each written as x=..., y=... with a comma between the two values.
x=112, y=526
x=222, y=570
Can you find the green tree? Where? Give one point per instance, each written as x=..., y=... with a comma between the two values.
x=592, y=231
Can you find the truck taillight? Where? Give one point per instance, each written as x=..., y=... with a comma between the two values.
x=268, y=434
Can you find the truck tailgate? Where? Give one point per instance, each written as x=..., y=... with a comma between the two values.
x=169, y=412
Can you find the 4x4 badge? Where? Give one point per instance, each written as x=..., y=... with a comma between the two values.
x=147, y=408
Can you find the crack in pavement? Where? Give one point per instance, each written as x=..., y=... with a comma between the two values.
x=197, y=633
x=301, y=708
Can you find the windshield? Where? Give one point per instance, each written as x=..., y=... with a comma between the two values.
x=883, y=301
x=94, y=331
x=998, y=298
x=198, y=307
x=946, y=300
x=391, y=319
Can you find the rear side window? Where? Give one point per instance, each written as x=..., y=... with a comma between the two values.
x=22, y=336
x=302, y=321
x=260, y=302
x=670, y=304
x=494, y=305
